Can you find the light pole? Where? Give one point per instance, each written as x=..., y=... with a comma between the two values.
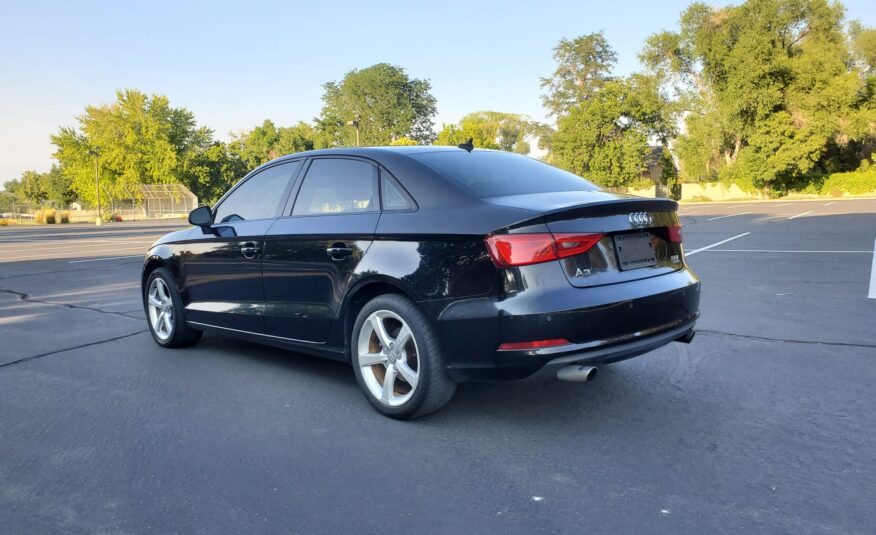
x=96, y=154
x=355, y=122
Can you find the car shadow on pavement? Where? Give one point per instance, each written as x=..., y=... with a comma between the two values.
x=539, y=401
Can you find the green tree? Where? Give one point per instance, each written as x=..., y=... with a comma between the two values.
x=403, y=141
x=606, y=138
x=51, y=187
x=584, y=66
x=491, y=130
x=140, y=140
x=863, y=46
x=385, y=102
x=767, y=89
x=267, y=141
x=212, y=171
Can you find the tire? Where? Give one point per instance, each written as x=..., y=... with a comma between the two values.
x=172, y=331
x=374, y=361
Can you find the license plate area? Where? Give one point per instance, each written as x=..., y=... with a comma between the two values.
x=635, y=251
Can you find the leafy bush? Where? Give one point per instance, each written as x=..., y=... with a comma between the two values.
x=6, y=222
x=45, y=216
x=858, y=182
x=65, y=217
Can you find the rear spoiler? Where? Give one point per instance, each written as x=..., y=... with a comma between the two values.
x=597, y=209
x=612, y=207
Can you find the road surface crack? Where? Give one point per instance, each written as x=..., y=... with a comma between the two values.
x=80, y=346
x=785, y=340
x=28, y=299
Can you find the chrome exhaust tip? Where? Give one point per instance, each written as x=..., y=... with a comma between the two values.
x=578, y=373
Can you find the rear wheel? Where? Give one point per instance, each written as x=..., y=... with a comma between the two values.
x=165, y=313
x=397, y=359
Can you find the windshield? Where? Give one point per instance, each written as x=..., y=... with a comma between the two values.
x=496, y=174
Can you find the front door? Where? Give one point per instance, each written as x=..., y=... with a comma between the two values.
x=223, y=275
x=311, y=255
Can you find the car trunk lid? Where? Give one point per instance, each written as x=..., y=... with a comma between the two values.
x=640, y=238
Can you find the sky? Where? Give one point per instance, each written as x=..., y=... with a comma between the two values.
x=235, y=64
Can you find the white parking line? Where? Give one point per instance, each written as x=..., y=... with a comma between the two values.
x=107, y=258
x=783, y=204
x=872, y=293
x=36, y=255
x=722, y=242
x=55, y=246
x=782, y=251
x=800, y=215
x=831, y=202
x=731, y=215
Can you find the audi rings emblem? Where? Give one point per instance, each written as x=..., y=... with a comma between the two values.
x=641, y=219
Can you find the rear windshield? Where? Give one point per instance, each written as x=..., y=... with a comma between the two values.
x=496, y=174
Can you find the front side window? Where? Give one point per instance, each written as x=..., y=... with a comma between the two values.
x=337, y=186
x=259, y=197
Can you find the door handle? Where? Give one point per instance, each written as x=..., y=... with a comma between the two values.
x=249, y=250
x=339, y=251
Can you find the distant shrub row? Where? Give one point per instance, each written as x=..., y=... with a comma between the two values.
x=860, y=182
x=50, y=216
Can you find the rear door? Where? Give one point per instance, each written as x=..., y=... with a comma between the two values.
x=311, y=253
x=223, y=264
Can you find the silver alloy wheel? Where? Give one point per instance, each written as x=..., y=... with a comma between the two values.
x=160, y=309
x=388, y=358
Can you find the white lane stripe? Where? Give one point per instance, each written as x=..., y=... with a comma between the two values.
x=722, y=242
x=782, y=251
x=800, y=215
x=107, y=258
x=872, y=293
x=831, y=202
x=54, y=246
x=72, y=254
x=783, y=204
x=731, y=215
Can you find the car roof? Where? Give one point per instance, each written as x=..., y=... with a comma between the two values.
x=368, y=152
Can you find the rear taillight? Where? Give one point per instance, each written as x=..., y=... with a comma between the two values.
x=510, y=250
x=675, y=233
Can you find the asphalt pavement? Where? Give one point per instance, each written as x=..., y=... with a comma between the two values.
x=765, y=423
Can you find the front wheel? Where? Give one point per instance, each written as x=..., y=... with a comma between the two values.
x=165, y=313
x=397, y=359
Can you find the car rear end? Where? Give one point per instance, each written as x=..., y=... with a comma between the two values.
x=592, y=277
x=592, y=285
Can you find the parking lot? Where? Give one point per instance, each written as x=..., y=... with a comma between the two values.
x=765, y=423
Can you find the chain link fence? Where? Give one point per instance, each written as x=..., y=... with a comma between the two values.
x=153, y=201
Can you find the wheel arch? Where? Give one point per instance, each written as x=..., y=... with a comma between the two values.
x=362, y=292
x=160, y=257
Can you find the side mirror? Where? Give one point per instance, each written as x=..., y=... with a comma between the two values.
x=201, y=217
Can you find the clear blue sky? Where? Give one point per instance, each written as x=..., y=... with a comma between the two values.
x=235, y=64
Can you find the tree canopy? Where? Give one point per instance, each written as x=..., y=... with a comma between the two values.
x=491, y=130
x=385, y=102
x=584, y=66
x=605, y=124
x=769, y=89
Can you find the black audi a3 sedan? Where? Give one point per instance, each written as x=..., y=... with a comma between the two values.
x=424, y=267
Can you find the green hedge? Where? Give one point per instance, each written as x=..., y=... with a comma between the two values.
x=852, y=183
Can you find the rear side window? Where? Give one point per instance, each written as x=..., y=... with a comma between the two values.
x=391, y=194
x=337, y=186
x=259, y=197
x=496, y=174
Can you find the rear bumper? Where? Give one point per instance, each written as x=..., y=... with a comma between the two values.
x=604, y=324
